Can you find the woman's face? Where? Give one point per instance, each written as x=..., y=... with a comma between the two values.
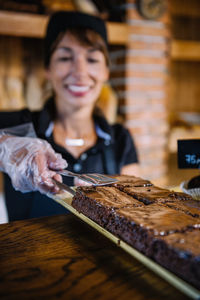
x=77, y=72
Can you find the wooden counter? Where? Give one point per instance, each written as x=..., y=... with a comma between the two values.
x=61, y=257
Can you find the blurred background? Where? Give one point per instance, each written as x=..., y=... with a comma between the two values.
x=154, y=87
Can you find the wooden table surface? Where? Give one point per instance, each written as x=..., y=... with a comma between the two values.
x=61, y=257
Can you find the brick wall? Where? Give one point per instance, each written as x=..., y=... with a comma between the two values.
x=144, y=102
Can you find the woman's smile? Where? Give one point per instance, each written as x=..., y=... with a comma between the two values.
x=78, y=90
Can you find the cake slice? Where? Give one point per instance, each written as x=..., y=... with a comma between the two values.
x=153, y=220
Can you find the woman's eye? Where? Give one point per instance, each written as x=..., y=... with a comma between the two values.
x=93, y=60
x=65, y=58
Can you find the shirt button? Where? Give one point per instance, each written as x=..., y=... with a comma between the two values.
x=107, y=142
x=84, y=156
x=77, y=167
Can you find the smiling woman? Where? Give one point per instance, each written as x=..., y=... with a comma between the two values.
x=77, y=73
x=77, y=66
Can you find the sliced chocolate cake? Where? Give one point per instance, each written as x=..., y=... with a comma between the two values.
x=163, y=225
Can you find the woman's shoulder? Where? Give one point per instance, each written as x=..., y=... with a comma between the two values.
x=119, y=131
x=118, y=127
x=14, y=118
x=39, y=118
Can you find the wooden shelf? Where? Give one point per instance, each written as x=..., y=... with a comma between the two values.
x=185, y=50
x=186, y=14
x=30, y=25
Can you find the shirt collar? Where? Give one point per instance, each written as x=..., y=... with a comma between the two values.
x=49, y=130
x=100, y=133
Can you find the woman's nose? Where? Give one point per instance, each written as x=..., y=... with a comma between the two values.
x=80, y=67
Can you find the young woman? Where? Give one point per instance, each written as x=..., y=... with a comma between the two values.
x=77, y=66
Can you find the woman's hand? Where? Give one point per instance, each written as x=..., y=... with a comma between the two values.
x=30, y=163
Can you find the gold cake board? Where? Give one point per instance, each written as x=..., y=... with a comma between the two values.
x=65, y=199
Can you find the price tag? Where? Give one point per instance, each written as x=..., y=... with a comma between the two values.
x=189, y=154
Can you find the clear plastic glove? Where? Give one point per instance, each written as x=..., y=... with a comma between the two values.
x=30, y=163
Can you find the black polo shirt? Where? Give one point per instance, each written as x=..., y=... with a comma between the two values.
x=113, y=150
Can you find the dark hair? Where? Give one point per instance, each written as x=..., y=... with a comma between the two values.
x=79, y=24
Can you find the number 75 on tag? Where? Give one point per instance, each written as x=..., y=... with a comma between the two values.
x=189, y=154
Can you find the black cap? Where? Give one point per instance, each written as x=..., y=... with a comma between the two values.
x=63, y=20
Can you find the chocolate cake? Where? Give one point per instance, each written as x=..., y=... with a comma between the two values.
x=162, y=224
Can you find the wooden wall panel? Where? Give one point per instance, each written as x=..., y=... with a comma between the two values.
x=186, y=28
x=185, y=7
x=185, y=87
x=185, y=73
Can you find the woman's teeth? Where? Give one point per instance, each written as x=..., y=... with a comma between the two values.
x=80, y=89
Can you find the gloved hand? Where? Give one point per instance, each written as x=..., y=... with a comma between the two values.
x=30, y=163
